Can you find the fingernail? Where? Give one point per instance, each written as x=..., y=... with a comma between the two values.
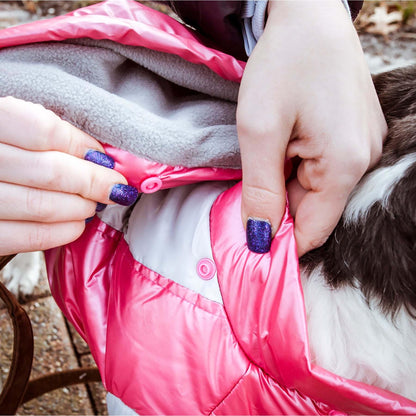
x=259, y=235
x=89, y=220
x=100, y=158
x=100, y=207
x=124, y=194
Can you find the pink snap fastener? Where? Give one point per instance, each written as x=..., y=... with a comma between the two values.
x=206, y=269
x=150, y=185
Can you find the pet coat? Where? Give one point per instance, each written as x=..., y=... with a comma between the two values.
x=180, y=316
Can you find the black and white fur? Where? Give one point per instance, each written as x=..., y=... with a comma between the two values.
x=360, y=286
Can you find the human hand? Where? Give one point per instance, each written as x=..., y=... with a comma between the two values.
x=47, y=189
x=306, y=92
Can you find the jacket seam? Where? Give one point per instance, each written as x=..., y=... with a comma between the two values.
x=178, y=296
x=231, y=389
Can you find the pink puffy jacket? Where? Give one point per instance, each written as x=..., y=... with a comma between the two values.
x=180, y=316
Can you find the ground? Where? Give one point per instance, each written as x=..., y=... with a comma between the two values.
x=389, y=40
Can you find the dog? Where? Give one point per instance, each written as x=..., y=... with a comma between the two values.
x=21, y=275
x=360, y=286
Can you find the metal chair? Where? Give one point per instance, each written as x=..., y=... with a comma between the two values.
x=18, y=388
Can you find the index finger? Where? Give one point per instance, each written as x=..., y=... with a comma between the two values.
x=316, y=217
x=32, y=127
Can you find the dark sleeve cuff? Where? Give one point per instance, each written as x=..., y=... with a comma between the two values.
x=218, y=20
x=355, y=7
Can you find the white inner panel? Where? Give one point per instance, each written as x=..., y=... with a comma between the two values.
x=116, y=407
x=169, y=233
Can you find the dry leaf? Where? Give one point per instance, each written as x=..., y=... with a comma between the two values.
x=30, y=6
x=381, y=22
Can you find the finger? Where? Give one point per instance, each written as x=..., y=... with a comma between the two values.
x=56, y=171
x=35, y=205
x=32, y=127
x=25, y=236
x=263, y=191
x=316, y=216
x=325, y=184
x=296, y=193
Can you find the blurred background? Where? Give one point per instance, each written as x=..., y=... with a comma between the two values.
x=388, y=34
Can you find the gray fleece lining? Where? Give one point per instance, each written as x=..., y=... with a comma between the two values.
x=152, y=104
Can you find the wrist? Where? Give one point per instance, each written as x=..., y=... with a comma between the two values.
x=318, y=19
x=310, y=9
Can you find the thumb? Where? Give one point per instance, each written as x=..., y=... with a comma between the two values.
x=263, y=190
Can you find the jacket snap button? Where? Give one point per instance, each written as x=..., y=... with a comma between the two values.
x=206, y=269
x=150, y=185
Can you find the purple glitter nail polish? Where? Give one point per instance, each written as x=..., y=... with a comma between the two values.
x=259, y=235
x=124, y=194
x=99, y=158
x=100, y=207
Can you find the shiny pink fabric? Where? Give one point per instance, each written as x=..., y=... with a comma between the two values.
x=263, y=300
x=132, y=318
x=160, y=347
x=164, y=349
x=138, y=170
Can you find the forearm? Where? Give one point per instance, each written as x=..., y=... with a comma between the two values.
x=224, y=22
x=254, y=16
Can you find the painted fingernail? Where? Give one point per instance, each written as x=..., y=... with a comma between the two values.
x=100, y=207
x=259, y=235
x=100, y=158
x=124, y=194
x=89, y=220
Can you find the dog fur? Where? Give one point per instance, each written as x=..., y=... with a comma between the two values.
x=21, y=275
x=360, y=286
